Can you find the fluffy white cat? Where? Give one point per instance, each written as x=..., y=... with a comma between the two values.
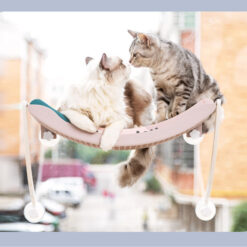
x=99, y=100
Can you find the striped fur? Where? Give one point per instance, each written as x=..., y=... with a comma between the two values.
x=179, y=77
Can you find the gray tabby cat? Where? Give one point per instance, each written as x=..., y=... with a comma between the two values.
x=178, y=75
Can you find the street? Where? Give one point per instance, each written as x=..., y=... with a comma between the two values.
x=125, y=211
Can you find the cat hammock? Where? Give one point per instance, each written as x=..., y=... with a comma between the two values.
x=54, y=123
x=134, y=138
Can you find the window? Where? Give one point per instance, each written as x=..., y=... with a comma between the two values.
x=177, y=153
x=187, y=20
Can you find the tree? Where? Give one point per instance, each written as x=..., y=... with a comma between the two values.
x=240, y=218
x=69, y=149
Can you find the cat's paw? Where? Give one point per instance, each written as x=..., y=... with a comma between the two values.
x=90, y=129
x=106, y=146
x=107, y=142
x=172, y=114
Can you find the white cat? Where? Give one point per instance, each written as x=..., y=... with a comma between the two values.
x=99, y=100
x=107, y=98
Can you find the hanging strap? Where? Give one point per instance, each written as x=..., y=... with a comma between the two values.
x=214, y=151
x=28, y=153
x=198, y=179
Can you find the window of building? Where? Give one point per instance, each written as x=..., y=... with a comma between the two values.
x=177, y=153
x=187, y=20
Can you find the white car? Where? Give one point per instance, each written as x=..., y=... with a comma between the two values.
x=25, y=227
x=11, y=203
x=66, y=190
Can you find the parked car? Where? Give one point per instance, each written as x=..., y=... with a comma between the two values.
x=68, y=168
x=25, y=227
x=49, y=219
x=88, y=177
x=12, y=217
x=11, y=205
x=7, y=220
x=66, y=190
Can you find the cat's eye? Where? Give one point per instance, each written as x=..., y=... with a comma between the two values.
x=135, y=55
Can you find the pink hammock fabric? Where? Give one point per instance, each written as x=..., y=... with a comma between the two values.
x=134, y=138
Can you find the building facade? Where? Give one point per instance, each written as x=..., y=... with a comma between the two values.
x=219, y=40
x=20, y=79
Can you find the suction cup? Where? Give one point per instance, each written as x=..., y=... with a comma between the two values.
x=205, y=210
x=48, y=138
x=34, y=213
x=194, y=138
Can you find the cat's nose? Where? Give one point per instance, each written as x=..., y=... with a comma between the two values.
x=130, y=61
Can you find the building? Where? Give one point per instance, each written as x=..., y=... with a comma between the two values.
x=20, y=79
x=219, y=40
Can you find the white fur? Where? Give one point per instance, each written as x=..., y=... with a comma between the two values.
x=142, y=78
x=80, y=121
x=104, y=100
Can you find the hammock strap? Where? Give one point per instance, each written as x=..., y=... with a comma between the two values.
x=28, y=153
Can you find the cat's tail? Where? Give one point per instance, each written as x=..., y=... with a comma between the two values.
x=135, y=167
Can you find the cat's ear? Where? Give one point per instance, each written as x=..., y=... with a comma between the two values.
x=133, y=33
x=88, y=59
x=104, y=62
x=145, y=39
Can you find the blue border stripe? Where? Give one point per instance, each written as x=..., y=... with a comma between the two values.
x=123, y=5
x=124, y=239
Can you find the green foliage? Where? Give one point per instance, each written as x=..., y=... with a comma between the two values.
x=240, y=218
x=69, y=149
x=153, y=185
x=48, y=154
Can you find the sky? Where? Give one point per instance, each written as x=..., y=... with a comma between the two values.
x=68, y=37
